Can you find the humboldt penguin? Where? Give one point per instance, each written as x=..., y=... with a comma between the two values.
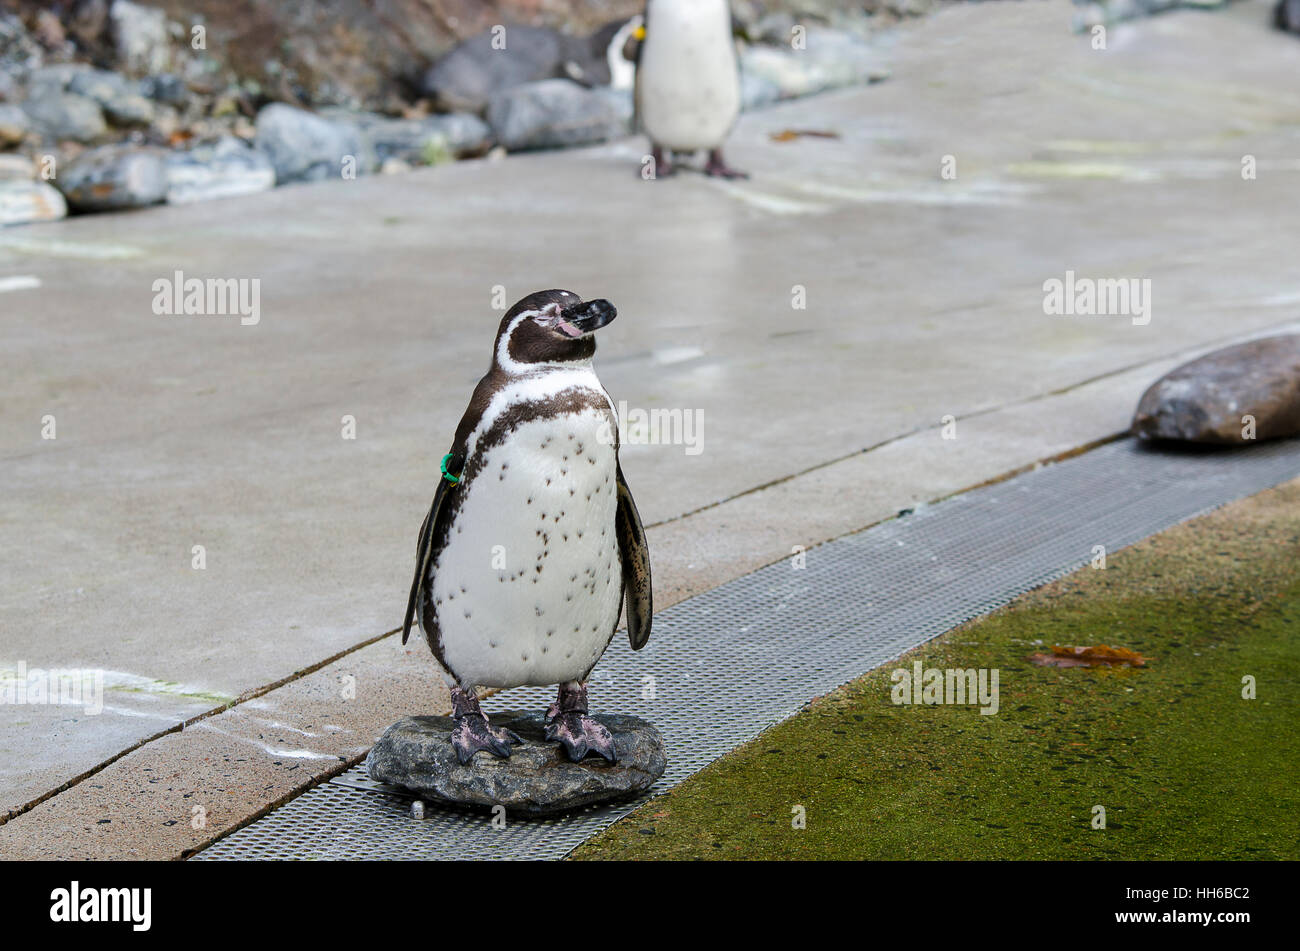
x=687, y=90
x=533, y=541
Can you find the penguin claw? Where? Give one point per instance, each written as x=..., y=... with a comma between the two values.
x=579, y=734
x=474, y=733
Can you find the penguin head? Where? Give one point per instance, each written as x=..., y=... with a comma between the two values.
x=550, y=327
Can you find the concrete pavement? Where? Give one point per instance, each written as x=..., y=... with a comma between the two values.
x=924, y=299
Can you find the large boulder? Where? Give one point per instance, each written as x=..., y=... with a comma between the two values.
x=551, y=114
x=305, y=147
x=62, y=116
x=22, y=202
x=1209, y=399
x=114, y=177
x=467, y=78
x=224, y=169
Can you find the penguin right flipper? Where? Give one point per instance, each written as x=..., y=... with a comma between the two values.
x=424, y=547
x=635, y=556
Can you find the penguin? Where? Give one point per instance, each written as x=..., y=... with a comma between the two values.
x=687, y=87
x=533, y=542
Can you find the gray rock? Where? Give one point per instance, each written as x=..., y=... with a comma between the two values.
x=467, y=78
x=18, y=48
x=1205, y=400
x=140, y=36
x=114, y=177
x=830, y=60
x=305, y=147
x=59, y=116
x=24, y=202
x=8, y=87
x=537, y=779
x=622, y=102
x=553, y=113
x=167, y=88
x=118, y=98
x=14, y=125
x=424, y=141
x=53, y=79
x=224, y=169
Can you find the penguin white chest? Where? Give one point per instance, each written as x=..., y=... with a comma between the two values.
x=529, y=585
x=688, y=83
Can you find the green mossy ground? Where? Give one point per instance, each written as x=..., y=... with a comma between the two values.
x=1184, y=766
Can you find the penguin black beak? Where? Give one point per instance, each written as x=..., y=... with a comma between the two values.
x=585, y=317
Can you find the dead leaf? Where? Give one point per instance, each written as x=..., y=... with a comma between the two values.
x=1099, y=656
x=789, y=135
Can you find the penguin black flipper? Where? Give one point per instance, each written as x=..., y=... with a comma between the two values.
x=424, y=547
x=635, y=556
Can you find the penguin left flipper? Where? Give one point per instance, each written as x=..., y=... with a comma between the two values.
x=424, y=546
x=635, y=556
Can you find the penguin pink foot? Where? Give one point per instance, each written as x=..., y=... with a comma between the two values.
x=578, y=733
x=473, y=732
x=664, y=166
x=717, y=167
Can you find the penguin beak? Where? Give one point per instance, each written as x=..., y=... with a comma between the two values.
x=584, y=317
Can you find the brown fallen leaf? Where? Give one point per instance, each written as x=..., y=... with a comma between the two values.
x=789, y=135
x=1099, y=656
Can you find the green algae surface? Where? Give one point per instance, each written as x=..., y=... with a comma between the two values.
x=1183, y=763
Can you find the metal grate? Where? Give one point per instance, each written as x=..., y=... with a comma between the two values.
x=733, y=661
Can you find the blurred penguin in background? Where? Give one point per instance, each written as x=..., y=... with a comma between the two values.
x=687, y=87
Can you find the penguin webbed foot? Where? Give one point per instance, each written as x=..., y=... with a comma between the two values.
x=569, y=725
x=717, y=167
x=664, y=166
x=473, y=733
x=579, y=734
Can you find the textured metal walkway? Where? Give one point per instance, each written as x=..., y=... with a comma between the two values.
x=731, y=662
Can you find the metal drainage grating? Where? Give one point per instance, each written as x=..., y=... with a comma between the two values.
x=733, y=661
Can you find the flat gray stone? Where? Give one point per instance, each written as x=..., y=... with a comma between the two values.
x=538, y=778
x=552, y=114
x=1206, y=400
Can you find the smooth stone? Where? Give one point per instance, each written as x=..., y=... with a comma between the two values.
x=66, y=116
x=757, y=92
x=538, y=778
x=467, y=78
x=25, y=202
x=225, y=169
x=114, y=177
x=119, y=100
x=14, y=125
x=1204, y=401
x=553, y=113
x=306, y=147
